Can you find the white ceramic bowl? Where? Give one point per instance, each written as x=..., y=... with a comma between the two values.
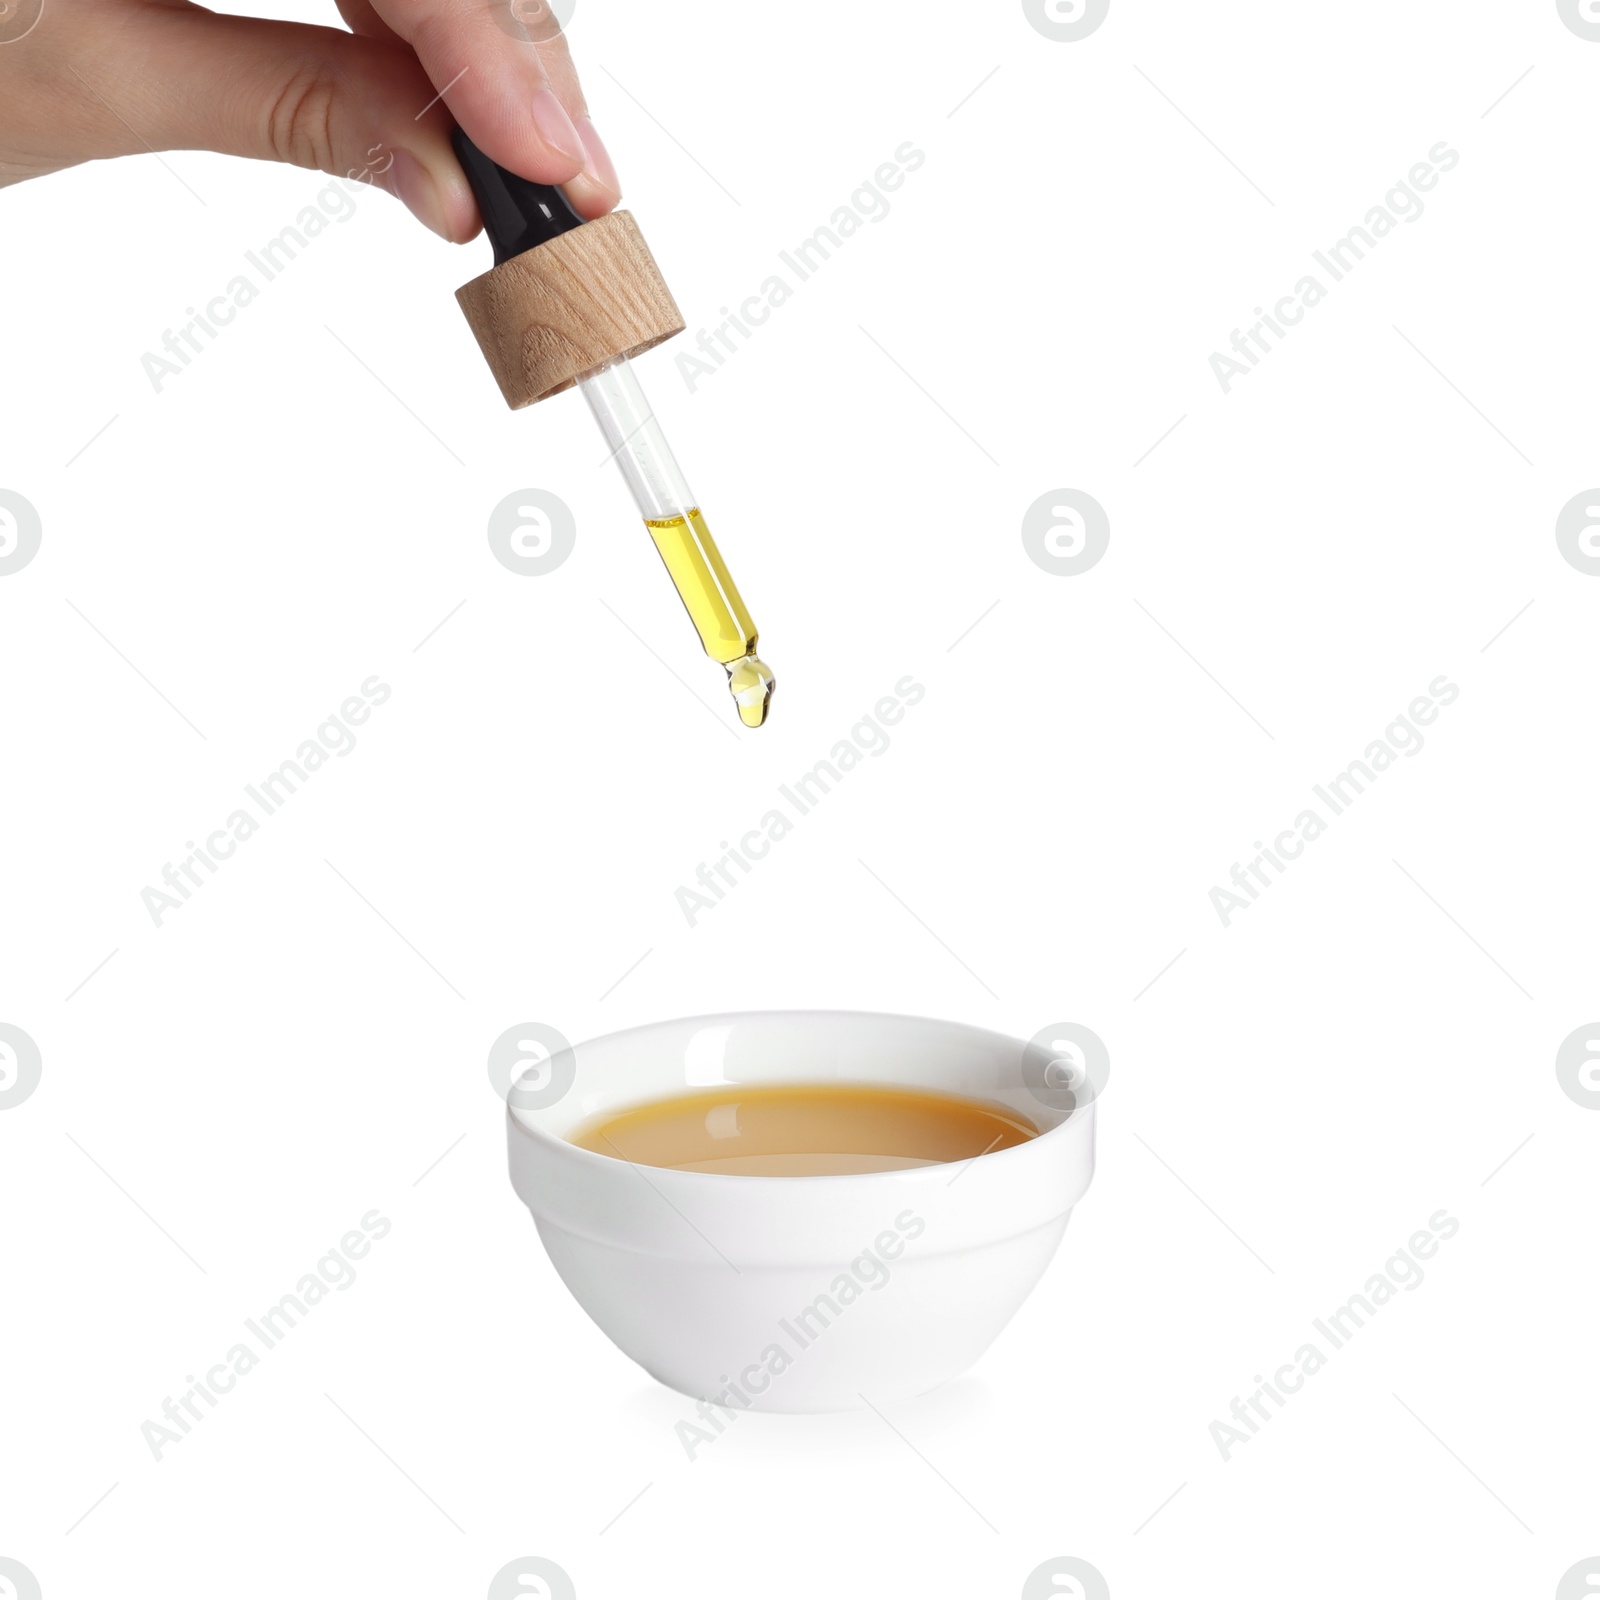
x=800, y=1294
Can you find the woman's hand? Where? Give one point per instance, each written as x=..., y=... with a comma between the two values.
x=85, y=79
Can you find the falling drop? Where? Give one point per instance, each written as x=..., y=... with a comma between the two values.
x=751, y=682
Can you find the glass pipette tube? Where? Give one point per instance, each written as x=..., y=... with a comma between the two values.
x=676, y=524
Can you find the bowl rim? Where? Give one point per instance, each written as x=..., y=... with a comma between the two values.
x=1070, y=1125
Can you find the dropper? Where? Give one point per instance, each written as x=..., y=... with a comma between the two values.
x=549, y=316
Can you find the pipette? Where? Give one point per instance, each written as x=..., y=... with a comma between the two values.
x=568, y=302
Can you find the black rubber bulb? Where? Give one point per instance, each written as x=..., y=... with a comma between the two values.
x=517, y=213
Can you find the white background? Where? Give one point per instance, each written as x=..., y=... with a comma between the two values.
x=1289, y=567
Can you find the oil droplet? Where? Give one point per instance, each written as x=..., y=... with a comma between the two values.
x=751, y=682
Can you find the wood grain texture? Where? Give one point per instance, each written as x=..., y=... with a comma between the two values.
x=555, y=312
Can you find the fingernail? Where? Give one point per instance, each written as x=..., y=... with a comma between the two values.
x=457, y=203
x=598, y=165
x=418, y=193
x=555, y=127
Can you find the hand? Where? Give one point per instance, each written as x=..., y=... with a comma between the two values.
x=97, y=78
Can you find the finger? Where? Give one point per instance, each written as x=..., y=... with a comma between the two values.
x=361, y=18
x=315, y=97
x=493, y=80
x=595, y=190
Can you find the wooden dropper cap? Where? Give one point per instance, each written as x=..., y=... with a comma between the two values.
x=565, y=297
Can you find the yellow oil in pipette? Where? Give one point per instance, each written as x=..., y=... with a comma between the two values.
x=712, y=600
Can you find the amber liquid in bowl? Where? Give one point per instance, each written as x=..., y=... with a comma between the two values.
x=799, y=1130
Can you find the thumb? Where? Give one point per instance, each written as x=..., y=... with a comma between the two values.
x=311, y=96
